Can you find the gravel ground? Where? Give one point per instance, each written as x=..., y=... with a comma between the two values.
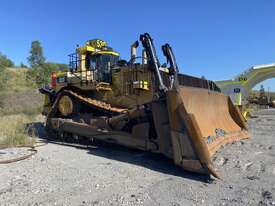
x=111, y=175
x=13, y=153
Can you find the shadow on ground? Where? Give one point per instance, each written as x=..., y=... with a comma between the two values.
x=155, y=162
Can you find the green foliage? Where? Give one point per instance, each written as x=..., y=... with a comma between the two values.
x=39, y=75
x=262, y=91
x=5, y=61
x=36, y=58
x=13, y=80
x=22, y=65
x=42, y=75
x=4, y=77
x=57, y=66
x=40, y=71
x=18, y=102
x=13, y=131
x=4, y=74
x=19, y=105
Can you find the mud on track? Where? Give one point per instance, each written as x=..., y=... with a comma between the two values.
x=111, y=175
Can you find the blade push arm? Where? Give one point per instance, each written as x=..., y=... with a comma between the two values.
x=171, y=60
x=150, y=50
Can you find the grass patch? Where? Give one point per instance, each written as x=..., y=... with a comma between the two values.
x=20, y=103
x=27, y=102
x=13, y=130
x=16, y=81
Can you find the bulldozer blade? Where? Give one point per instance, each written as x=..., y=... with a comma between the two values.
x=201, y=121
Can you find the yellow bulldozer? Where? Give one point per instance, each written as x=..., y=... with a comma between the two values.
x=141, y=104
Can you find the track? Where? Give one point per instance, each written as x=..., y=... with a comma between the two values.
x=93, y=103
x=101, y=106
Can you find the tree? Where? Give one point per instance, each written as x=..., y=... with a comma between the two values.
x=262, y=91
x=36, y=57
x=42, y=75
x=22, y=65
x=37, y=62
x=40, y=71
x=57, y=66
x=5, y=61
x=4, y=77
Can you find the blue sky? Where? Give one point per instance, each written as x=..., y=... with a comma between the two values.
x=214, y=38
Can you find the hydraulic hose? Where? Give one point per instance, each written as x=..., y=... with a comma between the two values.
x=32, y=149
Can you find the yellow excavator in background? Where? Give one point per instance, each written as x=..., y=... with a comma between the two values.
x=141, y=104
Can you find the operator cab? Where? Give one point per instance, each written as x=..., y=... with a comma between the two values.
x=95, y=59
x=101, y=64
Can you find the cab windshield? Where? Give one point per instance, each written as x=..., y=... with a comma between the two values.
x=101, y=63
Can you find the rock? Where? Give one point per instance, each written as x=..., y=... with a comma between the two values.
x=258, y=145
x=139, y=201
x=238, y=164
x=262, y=168
x=261, y=203
x=248, y=165
x=17, y=177
x=222, y=161
x=253, y=177
x=42, y=159
x=95, y=202
x=267, y=195
x=239, y=143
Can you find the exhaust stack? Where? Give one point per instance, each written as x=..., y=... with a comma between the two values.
x=134, y=51
x=144, y=57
